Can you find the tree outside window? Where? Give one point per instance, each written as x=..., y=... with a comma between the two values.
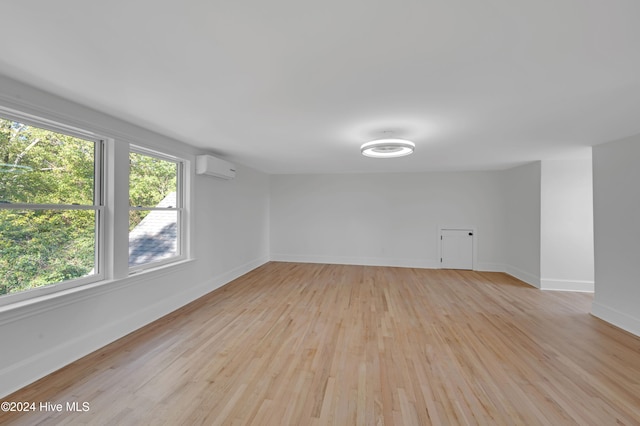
x=49, y=207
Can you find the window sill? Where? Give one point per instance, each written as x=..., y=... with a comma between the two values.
x=26, y=308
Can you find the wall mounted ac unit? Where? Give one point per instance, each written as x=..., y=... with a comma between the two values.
x=212, y=166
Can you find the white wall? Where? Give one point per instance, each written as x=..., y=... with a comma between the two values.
x=230, y=224
x=233, y=217
x=384, y=219
x=616, y=199
x=393, y=219
x=522, y=219
x=566, y=251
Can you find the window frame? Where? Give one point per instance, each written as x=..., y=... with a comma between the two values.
x=181, y=220
x=98, y=205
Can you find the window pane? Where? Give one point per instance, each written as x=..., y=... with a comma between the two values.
x=44, y=167
x=42, y=247
x=154, y=238
x=151, y=180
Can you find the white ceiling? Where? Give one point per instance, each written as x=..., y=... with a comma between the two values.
x=293, y=86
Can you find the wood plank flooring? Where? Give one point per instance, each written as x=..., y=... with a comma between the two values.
x=308, y=344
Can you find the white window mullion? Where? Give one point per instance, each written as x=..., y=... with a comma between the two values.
x=118, y=201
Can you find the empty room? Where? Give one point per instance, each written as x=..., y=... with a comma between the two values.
x=349, y=213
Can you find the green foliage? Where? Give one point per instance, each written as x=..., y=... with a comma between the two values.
x=41, y=166
x=151, y=179
x=40, y=247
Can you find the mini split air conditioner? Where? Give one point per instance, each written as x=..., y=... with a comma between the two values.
x=212, y=166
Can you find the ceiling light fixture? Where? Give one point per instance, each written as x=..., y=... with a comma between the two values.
x=387, y=148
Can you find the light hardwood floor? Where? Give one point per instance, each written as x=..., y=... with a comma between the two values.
x=309, y=344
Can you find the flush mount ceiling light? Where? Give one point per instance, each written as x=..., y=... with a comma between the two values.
x=387, y=148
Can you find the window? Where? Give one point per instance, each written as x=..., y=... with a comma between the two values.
x=50, y=207
x=155, y=208
x=60, y=227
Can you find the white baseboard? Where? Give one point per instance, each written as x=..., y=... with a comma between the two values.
x=30, y=369
x=545, y=283
x=361, y=261
x=404, y=263
x=523, y=276
x=617, y=318
x=237, y=272
x=567, y=285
